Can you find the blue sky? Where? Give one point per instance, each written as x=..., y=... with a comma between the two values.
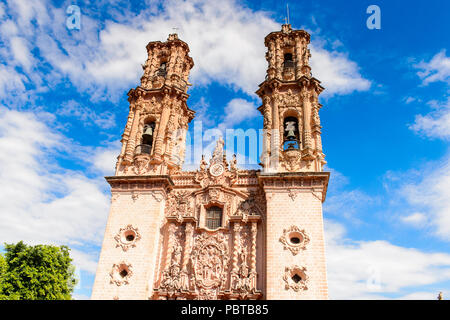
x=386, y=122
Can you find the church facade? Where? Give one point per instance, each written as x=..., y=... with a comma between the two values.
x=218, y=232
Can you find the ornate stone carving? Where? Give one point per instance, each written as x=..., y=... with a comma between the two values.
x=120, y=273
x=291, y=160
x=218, y=172
x=179, y=205
x=172, y=277
x=127, y=237
x=247, y=208
x=295, y=278
x=209, y=261
x=294, y=239
x=140, y=164
x=289, y=99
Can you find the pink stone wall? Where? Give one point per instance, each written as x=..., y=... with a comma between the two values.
x=144, y=213
x=305, y=212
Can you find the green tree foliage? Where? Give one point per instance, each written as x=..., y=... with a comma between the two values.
x=3, y=267
x=41, y=272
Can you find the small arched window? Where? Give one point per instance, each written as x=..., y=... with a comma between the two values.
x=213, y=217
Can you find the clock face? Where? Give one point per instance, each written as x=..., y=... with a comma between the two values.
x=216, y=169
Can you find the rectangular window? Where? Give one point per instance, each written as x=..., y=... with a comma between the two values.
x=213, y=217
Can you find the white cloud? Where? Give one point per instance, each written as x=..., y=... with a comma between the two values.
x=87, y=115
x=84, y=261
x=236, y=111
x=437, y=69
x=105, y=159
x=343, y=202
x=44, y=203
x=435, y=124
x=409, y=100
x=338, y=74
x=416, y=219
x=378, y=269
x=21, y=52
x=226, y=41
x=428, y=191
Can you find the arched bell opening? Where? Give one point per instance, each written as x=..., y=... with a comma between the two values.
x=147, y=138
x=162, y=70
x=291, y=137
x=288, y=62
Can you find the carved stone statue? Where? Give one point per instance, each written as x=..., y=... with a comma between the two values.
x=218, y=151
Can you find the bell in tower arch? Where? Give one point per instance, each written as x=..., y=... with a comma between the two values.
x=147, y=136
x=291, y=134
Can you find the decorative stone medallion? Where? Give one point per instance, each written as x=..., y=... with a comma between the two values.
x=127, y=237
x=294, y=239
x=295, y=278
x=120, y=273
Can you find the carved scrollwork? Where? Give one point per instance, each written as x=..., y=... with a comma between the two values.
x=294, y=239
x=291, y=160
x=179, y=205
x=218, y=172
x=295, y=278
x=127, y=237
x=121, y=273
x=140, y=164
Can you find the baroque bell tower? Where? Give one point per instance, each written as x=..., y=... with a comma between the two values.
x=155, y=133
x=292, y=140
x=153, y=147
x=292, y=178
